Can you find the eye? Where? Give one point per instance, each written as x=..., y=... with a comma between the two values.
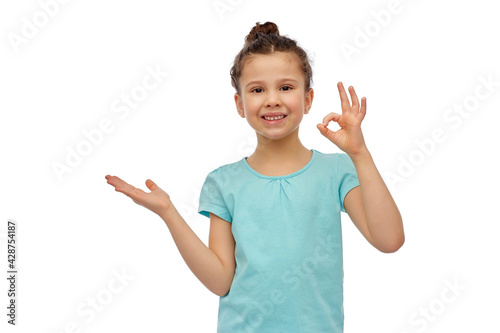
x=286, y=88
x=257, y=90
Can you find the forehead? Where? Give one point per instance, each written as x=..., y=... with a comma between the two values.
x=266, y=66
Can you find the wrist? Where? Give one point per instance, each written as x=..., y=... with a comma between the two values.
x=360, y=156
x=168, y=213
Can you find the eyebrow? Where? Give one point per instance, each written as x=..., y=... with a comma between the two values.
x=281, y=80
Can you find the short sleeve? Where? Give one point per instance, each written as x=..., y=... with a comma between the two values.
x=211, y=198
x=348, y=177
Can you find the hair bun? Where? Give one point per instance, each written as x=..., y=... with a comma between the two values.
x=266, y=28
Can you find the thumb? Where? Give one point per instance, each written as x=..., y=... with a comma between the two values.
x=322, y=129
x=326, y=132
x=151, y=185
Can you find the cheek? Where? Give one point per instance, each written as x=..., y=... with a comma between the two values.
x=252, y=105
x=295, y=102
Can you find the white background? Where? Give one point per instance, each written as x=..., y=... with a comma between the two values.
x=75, y=233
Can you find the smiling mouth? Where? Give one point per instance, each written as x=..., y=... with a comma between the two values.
x=274, y=118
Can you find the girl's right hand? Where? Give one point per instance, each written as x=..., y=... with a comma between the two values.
x=158, y=201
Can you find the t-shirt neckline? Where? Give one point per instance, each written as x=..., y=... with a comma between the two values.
x=296, y=173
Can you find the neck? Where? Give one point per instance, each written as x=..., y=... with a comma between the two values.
x=276, y=151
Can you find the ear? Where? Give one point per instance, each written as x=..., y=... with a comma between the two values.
x=308, y=100
x=239, y=105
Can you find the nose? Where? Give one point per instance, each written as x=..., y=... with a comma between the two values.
x=272, y=99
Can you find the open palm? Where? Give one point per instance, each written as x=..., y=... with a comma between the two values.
x=158, y=201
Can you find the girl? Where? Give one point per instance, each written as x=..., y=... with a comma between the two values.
x=275, y=243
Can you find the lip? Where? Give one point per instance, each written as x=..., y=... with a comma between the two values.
x=274, y=122
x=273, y=114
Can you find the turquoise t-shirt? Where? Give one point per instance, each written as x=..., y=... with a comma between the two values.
x=289, y=269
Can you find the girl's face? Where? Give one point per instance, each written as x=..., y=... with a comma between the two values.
x=273, y=85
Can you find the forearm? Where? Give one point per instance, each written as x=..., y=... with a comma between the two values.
x=202, y=261
x=382, y=215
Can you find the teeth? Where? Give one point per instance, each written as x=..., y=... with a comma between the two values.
x=274, y=118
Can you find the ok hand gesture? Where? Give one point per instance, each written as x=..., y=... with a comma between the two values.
x=349, y=137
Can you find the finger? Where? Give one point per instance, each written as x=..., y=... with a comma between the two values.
x=120, y=185
x=151, y=185
x=354, y=98
x=326, y=132
x=363, y=107
x=332, y=116
x=112, y=180
x=132, y=192
x=344, y=100
x=115, y=181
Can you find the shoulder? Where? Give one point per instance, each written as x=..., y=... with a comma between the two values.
x=226, y=171
x=337, y=165
x=331, y=159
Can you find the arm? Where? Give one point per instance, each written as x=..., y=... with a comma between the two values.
x=370, y=206
x=214, y=265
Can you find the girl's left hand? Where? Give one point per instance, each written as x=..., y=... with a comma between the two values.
x=349, y=137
